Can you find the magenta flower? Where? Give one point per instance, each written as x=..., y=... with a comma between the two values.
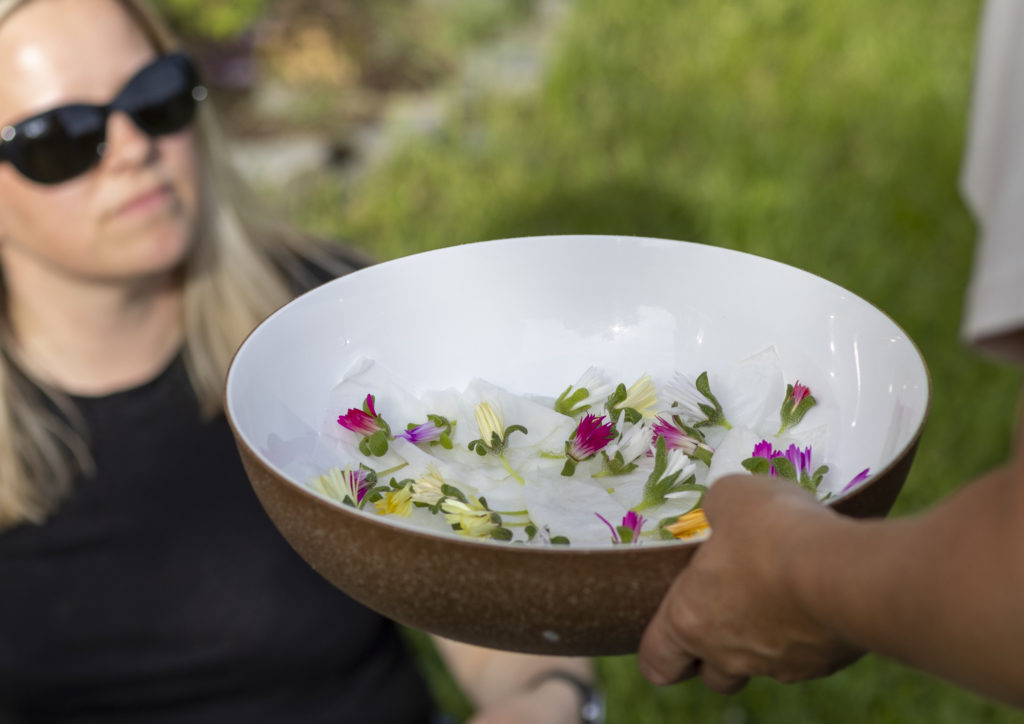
x=764, y=450
x=371, y=426
x=629, y=530
x=677, y=438
x=365, y=421
x=592, y=434
x=857, y=479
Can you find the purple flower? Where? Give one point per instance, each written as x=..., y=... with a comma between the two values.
x=799, y=459
x=857, y=479
x=358, y=483
x=427, y=432
x=365, y=422
x=794, y=464
x=592, y=435
x=764, y=450
x=629, y=530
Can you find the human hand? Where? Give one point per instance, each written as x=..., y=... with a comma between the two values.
x=734, y=611
x=551, y=702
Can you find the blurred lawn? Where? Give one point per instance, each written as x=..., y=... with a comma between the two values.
x=824, y=135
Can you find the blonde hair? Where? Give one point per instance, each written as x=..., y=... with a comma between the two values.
x=238, y=272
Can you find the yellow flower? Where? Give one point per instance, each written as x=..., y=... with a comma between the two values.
x=395, y=502
x=489, y=422
x=642, y=396
x=471, y=518
x=426, y=489
x=689, y=524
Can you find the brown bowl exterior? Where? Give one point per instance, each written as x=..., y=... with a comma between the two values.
x=556, y=600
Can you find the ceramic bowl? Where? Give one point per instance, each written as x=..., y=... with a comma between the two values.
x=525, y=314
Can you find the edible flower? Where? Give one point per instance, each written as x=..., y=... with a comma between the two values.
x=673, y=473
x=621, y=454
x=689, y=525
x=395, y=501
x=428, y=490
x=795, y=405
x=793, y=464
x=629, y=530
x=437, y=429
x=679, y=436
x=493, y=435
x=592, y=434
x=588, y=390
x=638, y=401
x=348, y=486
x=470, y=517
x=368, y=424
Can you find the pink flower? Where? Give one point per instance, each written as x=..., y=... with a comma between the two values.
x=592, y=435
x=678, y=439
x=629, y=530
x=364, y=422
x=798, y=394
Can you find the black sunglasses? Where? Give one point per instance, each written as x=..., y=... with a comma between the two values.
x=57, y=145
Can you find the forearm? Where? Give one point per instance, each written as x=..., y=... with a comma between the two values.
x=487, y=676
x=942, y=591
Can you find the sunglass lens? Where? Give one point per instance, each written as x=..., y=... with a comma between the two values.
x=159, y=99
x=61, y=144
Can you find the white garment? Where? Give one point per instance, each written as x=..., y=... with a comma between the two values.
x=993, y=180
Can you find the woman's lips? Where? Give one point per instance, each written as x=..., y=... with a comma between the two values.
x=146, y=201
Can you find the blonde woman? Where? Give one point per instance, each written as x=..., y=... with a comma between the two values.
x=141, y=580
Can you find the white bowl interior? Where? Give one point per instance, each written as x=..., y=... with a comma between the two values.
x=532, y=314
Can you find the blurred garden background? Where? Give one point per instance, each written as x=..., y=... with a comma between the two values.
x=824, y=135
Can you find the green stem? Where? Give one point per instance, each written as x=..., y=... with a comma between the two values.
x=511, y=472
x=382, y=473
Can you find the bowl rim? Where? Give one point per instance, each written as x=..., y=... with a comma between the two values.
x=613, y=549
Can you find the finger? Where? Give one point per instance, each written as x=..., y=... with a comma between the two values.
x=717, y=680
x=663, y=656
x=726, y=489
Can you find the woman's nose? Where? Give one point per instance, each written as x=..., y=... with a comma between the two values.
x=127, y=145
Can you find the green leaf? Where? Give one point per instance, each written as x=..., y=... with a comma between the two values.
x=757, y=465
x=784, y=468
x=378, y=443
x=567, y=404
x=452, y=492
x=501, y=534
x=560, y=540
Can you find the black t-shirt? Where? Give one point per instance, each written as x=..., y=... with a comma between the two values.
x=161, y=592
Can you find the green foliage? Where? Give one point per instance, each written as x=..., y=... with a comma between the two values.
x=212, y=19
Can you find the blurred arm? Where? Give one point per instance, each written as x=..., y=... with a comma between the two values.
x=500, y=683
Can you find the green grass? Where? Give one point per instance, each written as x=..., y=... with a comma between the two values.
x=824, y=135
